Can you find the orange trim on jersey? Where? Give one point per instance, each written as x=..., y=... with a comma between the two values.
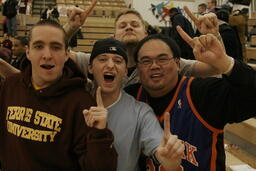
x=170, y=106
x=214, y=152
x=215, y=130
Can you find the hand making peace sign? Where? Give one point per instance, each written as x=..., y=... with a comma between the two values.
x=208, y=49
x=207, y=23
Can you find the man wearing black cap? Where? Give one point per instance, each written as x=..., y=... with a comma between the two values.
x=135, y=129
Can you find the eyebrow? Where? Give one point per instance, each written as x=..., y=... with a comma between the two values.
x=51, y=43
x=160, y=55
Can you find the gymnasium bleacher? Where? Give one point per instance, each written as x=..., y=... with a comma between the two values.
x=100, y=24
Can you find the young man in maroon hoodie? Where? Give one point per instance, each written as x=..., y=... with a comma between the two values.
x=42, y=125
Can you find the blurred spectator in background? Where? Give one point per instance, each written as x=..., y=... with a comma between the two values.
x=5, y=54
x=211, y=5
x=50, y=13
x=18, y=51
x=201, y=10
x=22, y=11
x=176, y=19
x=7, y=43
x=10, y=11
x=5, y=30
x=229, y=36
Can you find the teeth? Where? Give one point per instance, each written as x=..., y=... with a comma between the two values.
x=155, y=75
x=109, y=74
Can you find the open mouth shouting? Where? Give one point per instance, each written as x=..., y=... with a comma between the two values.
x=47, y=66
x=109, y=78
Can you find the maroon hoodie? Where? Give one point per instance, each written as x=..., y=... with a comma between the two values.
x=45, y=129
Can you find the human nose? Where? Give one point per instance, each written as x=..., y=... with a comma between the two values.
x=154, y=63
x=110, y=63
x=129, y=27
x=47, y=53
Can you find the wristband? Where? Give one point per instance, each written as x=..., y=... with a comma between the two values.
x=218, y=36
x=230, y=67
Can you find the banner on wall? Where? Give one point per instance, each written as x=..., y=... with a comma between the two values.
x=161, y=10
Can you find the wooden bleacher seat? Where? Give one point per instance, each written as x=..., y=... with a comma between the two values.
x=243, y=135
x=60, y=1
x=98, y=30
x=253, y=65
x=88, y=42
x=251, y=53
x=83, y=48
x=96, y=36
x=232, y=160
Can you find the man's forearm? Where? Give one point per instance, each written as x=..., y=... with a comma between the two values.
x=6, y=69
x=69, y=30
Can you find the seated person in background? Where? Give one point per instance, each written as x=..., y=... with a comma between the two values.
x=19, y=51
x=42, y=125
x=5, y=54
x=7, y=43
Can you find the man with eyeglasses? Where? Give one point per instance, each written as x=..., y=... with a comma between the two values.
x=162, y=60
x=195, y=104
x=133, y=123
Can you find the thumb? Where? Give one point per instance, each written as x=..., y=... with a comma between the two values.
x=85, y=113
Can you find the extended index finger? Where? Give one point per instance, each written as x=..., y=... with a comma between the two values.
x=167, y=125
x=191, y=15
x=90, y=8
x=185, y=36
x=99, y=98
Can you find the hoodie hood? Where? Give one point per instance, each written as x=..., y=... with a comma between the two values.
x=72, y=77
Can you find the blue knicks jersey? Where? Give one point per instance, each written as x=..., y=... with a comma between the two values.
x=199, y=138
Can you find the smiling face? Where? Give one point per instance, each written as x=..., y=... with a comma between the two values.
x=130, y=29
x=157, y=79
x=47, y=54
x=109, y=71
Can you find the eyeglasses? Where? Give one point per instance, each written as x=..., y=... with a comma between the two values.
x=159, y=61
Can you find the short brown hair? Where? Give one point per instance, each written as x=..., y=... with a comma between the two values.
x=49, y=23
x=130, y=11
x=203, y=5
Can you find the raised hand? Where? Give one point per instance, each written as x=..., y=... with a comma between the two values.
x=170, y=150
x=208, y=49
x=207, y=23
x=96, y=116
x=77, y=17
